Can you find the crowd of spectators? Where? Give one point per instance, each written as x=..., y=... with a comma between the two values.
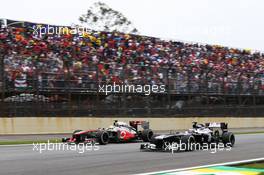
x=83, y=60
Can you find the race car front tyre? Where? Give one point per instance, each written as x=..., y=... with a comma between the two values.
x=78, y=138
x=147, y=135
x=188, y=141
x=228, y=138
x=102, y=137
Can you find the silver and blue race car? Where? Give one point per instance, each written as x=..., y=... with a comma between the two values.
x=200, y=135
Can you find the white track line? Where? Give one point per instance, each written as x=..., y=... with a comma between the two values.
x=204, y=166
x=17, y=145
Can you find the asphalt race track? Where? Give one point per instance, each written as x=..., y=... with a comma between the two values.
x=119, y=159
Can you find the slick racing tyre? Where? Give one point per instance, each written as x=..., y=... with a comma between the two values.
x=228, y=138
x=147, y=135
x=216, y=136
x=102, y=137
x=188, y=141
x=79, y=138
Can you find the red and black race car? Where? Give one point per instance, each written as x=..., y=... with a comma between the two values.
x=118, y=132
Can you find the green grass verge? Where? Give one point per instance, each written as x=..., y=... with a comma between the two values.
x=256, y=165
x=253, y=132
x=17, y=142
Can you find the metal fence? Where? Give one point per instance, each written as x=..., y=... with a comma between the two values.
x=133, y=105
x=78, y=94
x=174, y=82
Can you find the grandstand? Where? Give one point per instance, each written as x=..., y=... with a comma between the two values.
x=59, y=75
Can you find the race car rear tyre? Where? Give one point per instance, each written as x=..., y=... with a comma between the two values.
x=188, y=142
x=216, y=136
x=147, y=135
x=102, y=137
x=228, y=138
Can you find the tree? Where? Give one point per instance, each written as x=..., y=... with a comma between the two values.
x=101, y=17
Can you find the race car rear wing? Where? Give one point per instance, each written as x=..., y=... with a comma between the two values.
x=143, y=124
x=222, y=125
